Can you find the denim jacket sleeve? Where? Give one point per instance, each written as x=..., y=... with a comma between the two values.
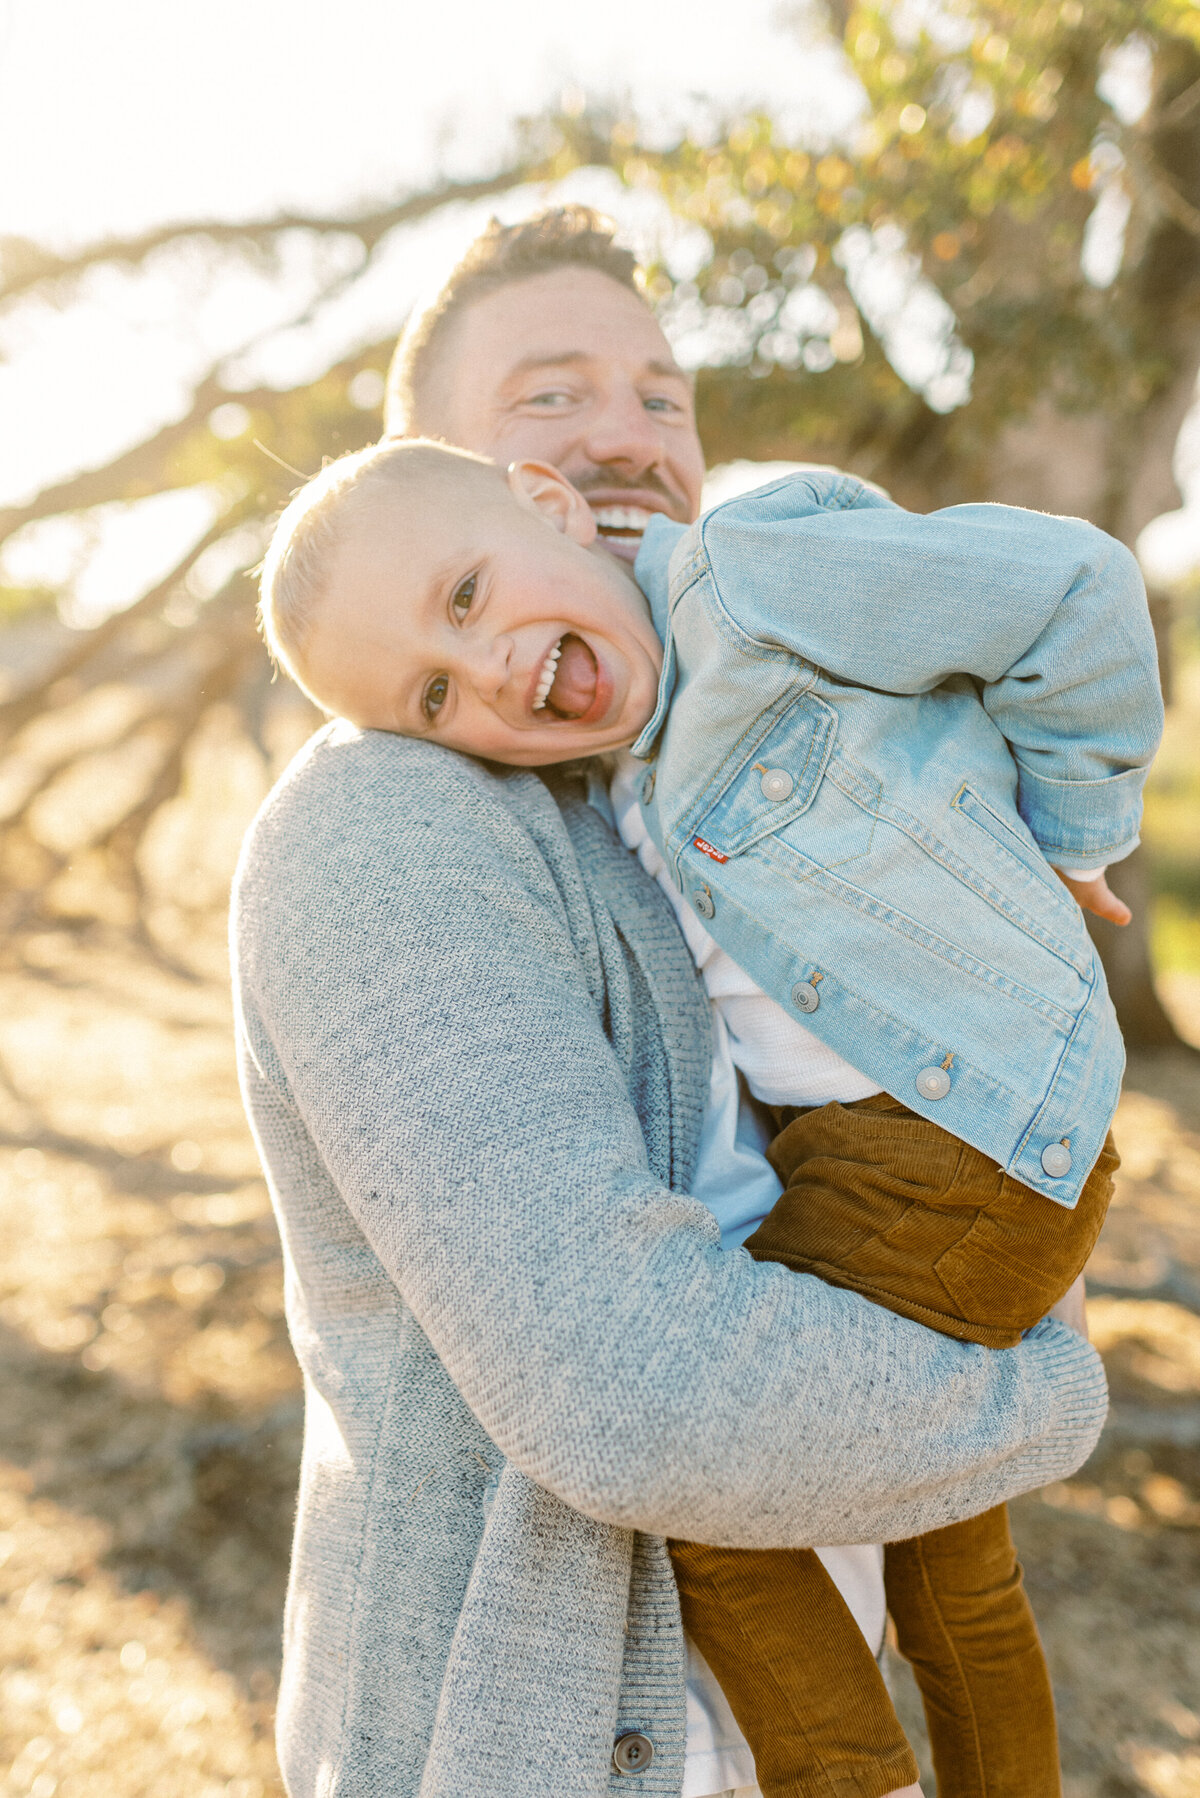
x=1047, y=614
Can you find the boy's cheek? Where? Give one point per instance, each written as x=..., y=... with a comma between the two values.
x=644, y=713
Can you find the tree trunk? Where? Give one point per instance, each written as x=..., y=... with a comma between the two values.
x=1120, y=474
x=1125, y=952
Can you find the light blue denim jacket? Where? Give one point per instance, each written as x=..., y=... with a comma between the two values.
x=874, y=732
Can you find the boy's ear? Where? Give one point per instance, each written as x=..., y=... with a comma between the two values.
x=540, y=488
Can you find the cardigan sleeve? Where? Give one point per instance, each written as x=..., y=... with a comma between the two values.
x=411, y=993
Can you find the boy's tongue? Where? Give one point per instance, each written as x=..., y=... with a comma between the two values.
x=574, y=688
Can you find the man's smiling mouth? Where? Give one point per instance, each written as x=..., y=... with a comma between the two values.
x=621, y=521
x=566, y=686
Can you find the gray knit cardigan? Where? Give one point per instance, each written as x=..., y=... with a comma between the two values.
x=475, y=1055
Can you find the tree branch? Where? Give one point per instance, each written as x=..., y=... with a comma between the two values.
x=137, y=469
x=17, y=712
x=38, y=268
x=1181, y=211
x=143, y=466
x=124, y=837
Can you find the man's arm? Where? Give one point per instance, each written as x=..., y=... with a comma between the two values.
x=1048, y=614
x=411, y=988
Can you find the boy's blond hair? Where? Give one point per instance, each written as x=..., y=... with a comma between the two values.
x=298, y=566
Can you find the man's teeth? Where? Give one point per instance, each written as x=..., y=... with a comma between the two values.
x=622, y=518
x=546, y=678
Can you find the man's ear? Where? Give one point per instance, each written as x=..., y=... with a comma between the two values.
x=540, y=488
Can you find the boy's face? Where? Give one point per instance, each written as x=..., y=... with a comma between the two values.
x=484, y=615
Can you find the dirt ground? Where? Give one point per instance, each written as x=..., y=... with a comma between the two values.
x=151, y=1420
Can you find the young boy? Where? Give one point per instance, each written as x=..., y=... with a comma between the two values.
x=866, y=736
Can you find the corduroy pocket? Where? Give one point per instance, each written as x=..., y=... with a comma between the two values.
x=1023, y=1251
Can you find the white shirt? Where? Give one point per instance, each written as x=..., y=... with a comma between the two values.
x=784, y=1064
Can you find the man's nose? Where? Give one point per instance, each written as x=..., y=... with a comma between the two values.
x=624, y=435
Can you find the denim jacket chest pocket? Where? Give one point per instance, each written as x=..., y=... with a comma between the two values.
x=772, y=777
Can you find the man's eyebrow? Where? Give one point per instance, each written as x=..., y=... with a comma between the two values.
x=563, y=358
x=672, y=371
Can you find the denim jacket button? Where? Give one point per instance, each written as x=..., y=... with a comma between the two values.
x=648, y=788
x=632, y=1752
x=1056, y=1160
x=703, y=902
x=933, y=1083
x=777, y=784
x=805, y=996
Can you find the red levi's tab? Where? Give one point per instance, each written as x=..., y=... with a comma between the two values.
x=707, y=849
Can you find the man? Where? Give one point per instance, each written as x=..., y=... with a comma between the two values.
x=481, y=1074
x=540, y=345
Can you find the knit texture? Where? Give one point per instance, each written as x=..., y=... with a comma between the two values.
x=475, y=1055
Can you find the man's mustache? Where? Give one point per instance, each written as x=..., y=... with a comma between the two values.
x=610, y=483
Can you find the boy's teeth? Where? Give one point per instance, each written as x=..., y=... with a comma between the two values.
x=621, y=518
x=546, y=678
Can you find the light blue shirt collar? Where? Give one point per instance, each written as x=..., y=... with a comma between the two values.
x=660, y=539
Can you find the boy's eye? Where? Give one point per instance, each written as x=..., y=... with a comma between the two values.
x=463, y=595
x=434, y=696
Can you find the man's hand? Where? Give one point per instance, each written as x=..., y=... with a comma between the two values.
x=1095, y=895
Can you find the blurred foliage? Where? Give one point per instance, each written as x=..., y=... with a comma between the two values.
x=1171, y=827
x=921, y=301
x=18, y=602
x=982, y=157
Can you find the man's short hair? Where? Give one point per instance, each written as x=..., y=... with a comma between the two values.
x=563, y=237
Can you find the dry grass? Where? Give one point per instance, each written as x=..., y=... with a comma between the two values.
x=151, y=1419
x=152, y=1415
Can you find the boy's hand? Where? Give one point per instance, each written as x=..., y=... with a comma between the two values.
x=1097, y=896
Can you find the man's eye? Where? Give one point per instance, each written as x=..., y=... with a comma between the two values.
x=464, y=593
x=553, y=396
x=660, y=402
x=434, y=696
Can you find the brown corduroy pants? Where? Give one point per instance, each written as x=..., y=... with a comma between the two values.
x=888, y=1204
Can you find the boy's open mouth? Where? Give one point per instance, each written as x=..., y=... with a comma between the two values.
x=567, y=684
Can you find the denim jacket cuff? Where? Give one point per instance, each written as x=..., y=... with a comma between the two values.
x=1083, y=823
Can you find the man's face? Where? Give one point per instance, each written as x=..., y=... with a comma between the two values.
x=571, y=368
x=483, y=614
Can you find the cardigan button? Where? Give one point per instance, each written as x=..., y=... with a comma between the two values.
x=632, y=1752
x=933, y=1083
x=1056, y=1160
